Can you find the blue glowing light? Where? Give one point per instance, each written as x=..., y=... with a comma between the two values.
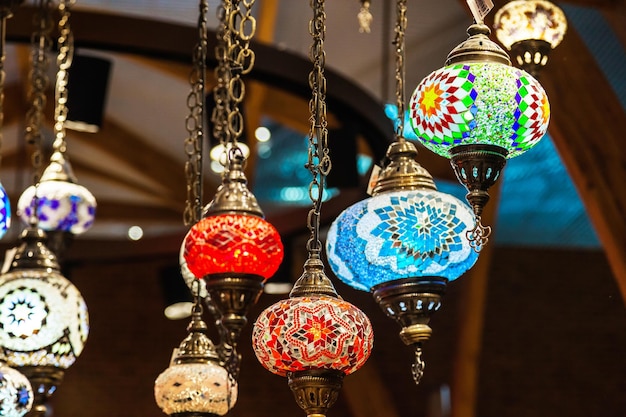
x=402, y=234
x=5, y=211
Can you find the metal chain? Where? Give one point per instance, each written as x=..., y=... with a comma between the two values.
x=194, y=123
x=241, y=30
x=365, y=17
x=41, y=45
x=417, y=369
x=219, y=116
x=398, y=42
x=5, y=13
x=318, y=162
x=64, y=62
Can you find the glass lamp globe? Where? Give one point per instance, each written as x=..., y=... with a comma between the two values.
x=44, y=321
x=478, y=111
x=195, y=383
x=403, y=244
x=315, y=332
x=237, y=243
x=314, y=338
x=233, y=248
x=530, y=29
x=5, y=211
x=62, y=205
x=401, y=234
x=16, y=394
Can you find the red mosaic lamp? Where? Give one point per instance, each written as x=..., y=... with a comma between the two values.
x=234, y=249
x=314, y=337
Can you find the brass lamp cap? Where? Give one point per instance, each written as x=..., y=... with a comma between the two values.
x=478, y=48
x=33, y=252
x=59, y=169
x=313, y=280
x=403, y=172
x=197, y=347
x=233, y=195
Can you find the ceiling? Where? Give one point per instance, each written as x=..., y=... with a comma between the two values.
x=144, y=124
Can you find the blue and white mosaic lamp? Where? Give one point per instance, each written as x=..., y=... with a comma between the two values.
x=403, y=244
x=64, y=208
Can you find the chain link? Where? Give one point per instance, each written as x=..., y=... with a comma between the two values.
x=241, y=58
x=41, y=45
x=398, y=42
x=219, y=116
x=318, y=162
x=194, y=123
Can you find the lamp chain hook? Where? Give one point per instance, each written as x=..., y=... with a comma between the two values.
x=478, y=237
x=64, y=62
x=400, y=74
x=417, y=369
x=194, y=122
x=41, y=46
x=318, y=162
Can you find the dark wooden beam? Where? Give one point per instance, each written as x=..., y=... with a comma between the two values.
x=587, y=125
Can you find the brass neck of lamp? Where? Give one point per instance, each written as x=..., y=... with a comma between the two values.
x=44, y=380
x=33, y=252
x=402, y=171
x=411, y=302
x=316, y=390
x=59, y=169
x=313, y=280
x=197, y=347
x=233, y=195
x=478, y=48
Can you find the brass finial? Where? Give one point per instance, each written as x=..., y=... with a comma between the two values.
x=403, y=172
x=233, y=194
x=478, y=48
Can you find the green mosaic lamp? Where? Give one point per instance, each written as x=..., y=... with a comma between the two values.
x=478, y=111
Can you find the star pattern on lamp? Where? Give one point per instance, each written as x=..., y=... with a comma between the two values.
x=444, y=107
x=418, y=230
x=23, y=312
x=479, y=103
x=312, y=332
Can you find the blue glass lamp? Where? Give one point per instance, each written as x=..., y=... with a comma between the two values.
x=403, y=244
x=5, y=211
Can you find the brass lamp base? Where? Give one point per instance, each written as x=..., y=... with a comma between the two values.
x=478, y=167
x=316, y=390
x=531, y=55
x=44, y=381
x=411, y=302
x=233, y=296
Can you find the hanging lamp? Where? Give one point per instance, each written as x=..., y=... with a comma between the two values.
x=530, y=29
x=314, y=338
x=407, y=241
x=478, y=111
x=44, y=321
x=16, y=394
x=6, y=11
x=232, y=247
x=64, y=208
x=196, y=382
